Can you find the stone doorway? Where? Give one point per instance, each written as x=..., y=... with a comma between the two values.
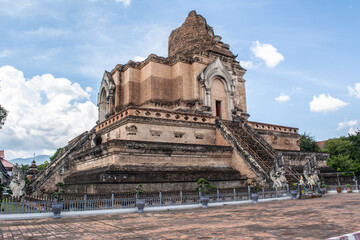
x=218, y=108
x=219, y=99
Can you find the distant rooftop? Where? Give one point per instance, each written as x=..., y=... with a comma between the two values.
x=7, y=164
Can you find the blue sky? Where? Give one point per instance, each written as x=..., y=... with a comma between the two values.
x=302, y=59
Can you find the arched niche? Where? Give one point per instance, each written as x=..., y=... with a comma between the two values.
x=218, y=98
x=103, y=105
x=217, y=72
x=106, y=96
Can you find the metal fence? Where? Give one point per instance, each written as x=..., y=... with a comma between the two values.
x=84, y=202
x=340, y=179
x=77, y=202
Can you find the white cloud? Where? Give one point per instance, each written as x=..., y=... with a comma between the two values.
x=47, y=54
x=247, y=64
x=297, y=88
x=326, y=103
x=48, y=32
x=44, y=112
x=355, y=91
x=4, y=53
x=282, y=98
x=17, y=8
x=139, y=58
x=352, y=125
x=268, y=53
x=125, y=2
x=154, y=40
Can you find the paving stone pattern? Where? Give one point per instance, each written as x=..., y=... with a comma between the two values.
x=319, y=218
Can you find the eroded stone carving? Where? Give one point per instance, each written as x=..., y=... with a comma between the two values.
x=17, y=181
x=311, y=169
x=131, y=130
x=199, y=135
x=178, y=134
x=275, y=140
x=155, y=132
x=278, y=172
x=118, y=134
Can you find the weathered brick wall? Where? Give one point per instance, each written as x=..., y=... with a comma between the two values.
x=193, y=34
x=120, y=165
x=281, y=141
x=298, y=159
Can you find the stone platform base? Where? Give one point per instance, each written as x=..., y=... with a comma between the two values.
x=121, y=179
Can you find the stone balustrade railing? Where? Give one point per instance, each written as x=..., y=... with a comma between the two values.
x=272, y=127
x=160, y=114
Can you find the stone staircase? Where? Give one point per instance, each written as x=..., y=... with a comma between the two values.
x=259, y=155
x=57, y=165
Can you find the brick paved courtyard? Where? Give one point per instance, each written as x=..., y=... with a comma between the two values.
x=319, y=218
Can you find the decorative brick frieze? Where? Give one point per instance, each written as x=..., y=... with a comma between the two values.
x=157, y=114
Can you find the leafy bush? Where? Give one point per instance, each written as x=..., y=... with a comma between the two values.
x=254, y=186
x=42, y=166
x=139, y=190
x=204, y=186
x=293, y=185
x=55, y=154
x=3, y=115
x=308, y=143
x=59, y=191
x=344, y=153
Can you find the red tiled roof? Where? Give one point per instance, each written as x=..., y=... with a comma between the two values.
x=321, y=144
x=7, y=164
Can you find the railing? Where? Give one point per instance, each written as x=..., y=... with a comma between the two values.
x=27, y=204
x=155, y=113
x=247, y=146
x=272, y=127
x=266, y=147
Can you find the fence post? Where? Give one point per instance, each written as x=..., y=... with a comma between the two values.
x=22, y=204
x=181, y=198
x=263, y=192
x=276, y=192
x=85, y=202
x=248, y=191
x=112, y=200
x=356, y=185
x=287, y=189
x=160, y=196
x=218, y=195
x=234, y=194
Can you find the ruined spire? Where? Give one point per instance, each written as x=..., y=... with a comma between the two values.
x=195, y=36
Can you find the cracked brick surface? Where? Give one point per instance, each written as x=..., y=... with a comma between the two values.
x=317, y=218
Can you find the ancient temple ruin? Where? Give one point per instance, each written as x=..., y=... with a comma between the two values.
x=167, y=121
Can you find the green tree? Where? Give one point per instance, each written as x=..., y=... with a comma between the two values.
x=42, y=166
x=204, y=186
x=3, y=115
x=55, y=154
x=308, y=143
x=24, y=168
x=344, y=153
